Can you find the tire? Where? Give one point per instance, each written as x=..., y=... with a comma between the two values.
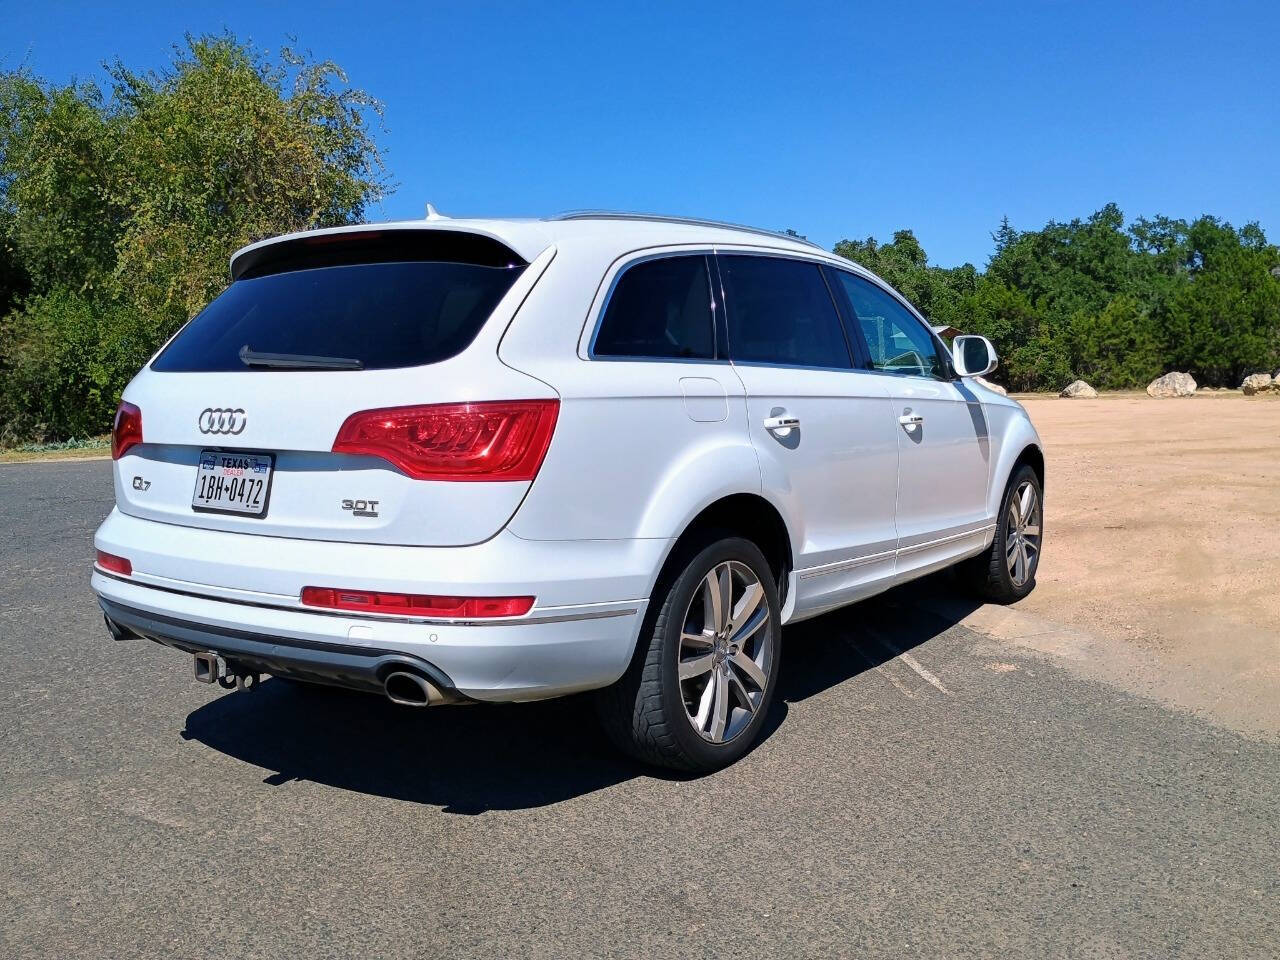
x=993, y=574
x=659, y=718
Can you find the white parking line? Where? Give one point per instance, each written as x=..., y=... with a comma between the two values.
x=914, y=664
x=880, y=669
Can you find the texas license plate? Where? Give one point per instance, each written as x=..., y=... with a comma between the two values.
x=233, y=482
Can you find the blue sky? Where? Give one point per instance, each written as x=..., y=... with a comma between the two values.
x=835, y=119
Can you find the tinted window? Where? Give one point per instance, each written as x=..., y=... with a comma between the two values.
x=898, y=342
x=780, y=311
x=383, y=314
x=659, y=308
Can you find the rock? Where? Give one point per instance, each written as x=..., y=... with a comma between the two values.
x=1078, y=388
x=1257, y=383
x=994, y=387
x=1172, y=385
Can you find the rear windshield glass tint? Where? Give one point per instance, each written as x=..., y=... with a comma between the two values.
x=384, y=315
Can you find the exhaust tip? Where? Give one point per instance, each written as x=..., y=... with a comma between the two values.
x=411, y=690
x=118, y=633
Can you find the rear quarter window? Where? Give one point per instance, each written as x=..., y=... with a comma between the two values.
x=659, y=309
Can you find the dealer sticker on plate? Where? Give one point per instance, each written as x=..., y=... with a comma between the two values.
x=232, y=482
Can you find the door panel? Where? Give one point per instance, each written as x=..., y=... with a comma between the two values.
x=836, y=472
x=823, y=431
x=944, y=448
x=944, y=460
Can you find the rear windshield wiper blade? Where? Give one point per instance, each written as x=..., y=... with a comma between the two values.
x=296, y=361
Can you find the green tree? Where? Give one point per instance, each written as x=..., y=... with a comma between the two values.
x=1118, y=347
x=1223, y=323
x=1092, y=299
x=119, y=210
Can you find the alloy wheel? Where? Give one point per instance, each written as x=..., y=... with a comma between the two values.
x=1022, y=533
x=726, y=651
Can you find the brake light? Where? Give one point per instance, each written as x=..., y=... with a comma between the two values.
x=415, y=604
x=484, y=441
x=126, y=429
x=109, y=561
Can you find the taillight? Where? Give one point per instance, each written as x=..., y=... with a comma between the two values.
x=109, y=561
x=489, y=440
x=415, y=604
x=126, y=429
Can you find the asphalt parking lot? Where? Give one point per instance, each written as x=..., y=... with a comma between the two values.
x=922, y=789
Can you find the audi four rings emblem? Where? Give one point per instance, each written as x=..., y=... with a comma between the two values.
x=220, y=420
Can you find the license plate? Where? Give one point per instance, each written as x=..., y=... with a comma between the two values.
x=232, y=482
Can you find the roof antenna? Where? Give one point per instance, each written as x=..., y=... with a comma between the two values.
x=434, y=214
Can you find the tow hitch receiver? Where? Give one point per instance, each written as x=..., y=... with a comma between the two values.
x=207, y=667
x=233, y=677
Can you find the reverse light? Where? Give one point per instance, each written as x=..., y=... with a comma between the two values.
x=483, y=441
x=415, y=604
x=126, y=429
x=109, y=561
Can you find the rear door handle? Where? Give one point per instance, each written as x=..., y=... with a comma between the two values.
x=784, y=422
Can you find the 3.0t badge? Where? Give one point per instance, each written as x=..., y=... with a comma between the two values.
x=222, y=420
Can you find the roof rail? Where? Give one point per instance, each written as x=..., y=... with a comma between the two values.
x=693, y=221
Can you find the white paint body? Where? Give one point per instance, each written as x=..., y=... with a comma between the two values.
x=639, y=450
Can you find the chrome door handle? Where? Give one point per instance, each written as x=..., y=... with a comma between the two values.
x=781, y=423
x=911, y=420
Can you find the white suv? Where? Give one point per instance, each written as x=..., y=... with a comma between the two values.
x=496, y=460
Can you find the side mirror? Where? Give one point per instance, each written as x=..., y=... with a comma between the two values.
x=973, y=356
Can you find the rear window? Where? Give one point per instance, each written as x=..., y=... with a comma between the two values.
x=381, y=315
x=781, y=312
x=661, y=309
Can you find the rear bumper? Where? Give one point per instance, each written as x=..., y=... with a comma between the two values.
x=185, y=593
x=355, y=668
x=544, y=655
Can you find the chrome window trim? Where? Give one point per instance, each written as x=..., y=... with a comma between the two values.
x=626, y=261
x=835, y=307
x=627, y=266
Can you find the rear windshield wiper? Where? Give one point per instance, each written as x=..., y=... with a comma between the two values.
x=296, y=361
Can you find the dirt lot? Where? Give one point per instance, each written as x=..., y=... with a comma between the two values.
x=1162, y=538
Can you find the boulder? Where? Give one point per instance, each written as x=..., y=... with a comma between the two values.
x=994, y=387
x=1257, y=383
x=1172, y=385
x=1078, y=388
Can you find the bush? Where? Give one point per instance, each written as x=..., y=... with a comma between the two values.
x=119, y=211
x=66, y=359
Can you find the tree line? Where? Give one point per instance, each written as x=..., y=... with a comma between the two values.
x=1111, y=304
x=119, y=208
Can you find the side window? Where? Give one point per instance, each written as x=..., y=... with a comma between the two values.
x=659, y=308
x=780, y=311
x=897, y=341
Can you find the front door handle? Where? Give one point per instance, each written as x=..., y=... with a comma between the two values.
x=911, y=420
x=780, y=423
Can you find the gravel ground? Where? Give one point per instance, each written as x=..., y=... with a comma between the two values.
x=924, y=789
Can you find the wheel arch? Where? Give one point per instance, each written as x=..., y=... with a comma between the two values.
x=1032, y=456
x=747, y=515
x=1016, y=443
